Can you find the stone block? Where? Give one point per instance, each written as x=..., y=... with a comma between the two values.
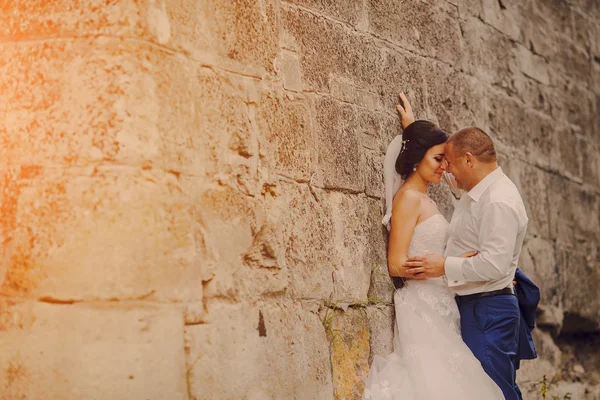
x=488, y=55
x=507, y=16
x=556, y=14
x=42, y=19
x=349, y=11
x=97, y=233
x=350, y=244
x=538, y=261
x=573, y=102
x=532, y=65
x=242, y=241
x=381, y=330
x=289, y=66
x=428, y=28
x=531, y=134
x=455, y=98
x=270, y=350
x=579, y=276
x=585, y=31
x=345, y=90
x=337, y=130
x=531, y=372
x=350, y=350
x=244, y=32
x=469, y=8
x=590, y=163
x=571, y=61
x=121, y=102
x=533, y=184
x=95, y=351
x=373, y=173
x=308, y=239
x=405, y=72
x=296, y=142
x=329, y=49
x=534, y=94
x=574, y=213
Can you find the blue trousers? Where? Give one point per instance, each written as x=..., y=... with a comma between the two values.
x=490, y=327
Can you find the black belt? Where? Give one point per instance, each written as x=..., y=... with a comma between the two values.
x=470, y=297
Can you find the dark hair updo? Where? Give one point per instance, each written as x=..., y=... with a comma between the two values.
x=419, y=137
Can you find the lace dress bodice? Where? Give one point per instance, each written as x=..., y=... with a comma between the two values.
x=429, y=237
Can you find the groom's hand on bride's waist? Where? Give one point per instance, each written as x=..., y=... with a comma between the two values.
x=428, y=266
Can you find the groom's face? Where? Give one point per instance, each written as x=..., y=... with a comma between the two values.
x=455, y=166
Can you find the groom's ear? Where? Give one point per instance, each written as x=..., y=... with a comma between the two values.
x=469, y=159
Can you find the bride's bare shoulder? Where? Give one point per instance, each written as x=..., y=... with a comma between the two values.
x=407, y=199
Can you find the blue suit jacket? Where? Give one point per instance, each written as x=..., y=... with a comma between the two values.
x=528, y=295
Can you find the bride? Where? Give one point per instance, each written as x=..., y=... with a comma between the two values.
x=430, y=361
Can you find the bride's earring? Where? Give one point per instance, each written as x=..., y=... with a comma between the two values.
x=415, y=168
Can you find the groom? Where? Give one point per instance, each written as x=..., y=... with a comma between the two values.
x=490, y=217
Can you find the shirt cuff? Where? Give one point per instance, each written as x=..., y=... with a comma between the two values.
x=453, y=267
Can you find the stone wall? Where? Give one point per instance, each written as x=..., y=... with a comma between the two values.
x=190, y=196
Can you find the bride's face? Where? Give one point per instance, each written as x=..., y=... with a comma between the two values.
x=433, y=164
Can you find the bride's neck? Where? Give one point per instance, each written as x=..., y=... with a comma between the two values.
x=416, y=182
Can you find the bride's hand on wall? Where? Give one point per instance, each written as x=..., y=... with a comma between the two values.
x=406, y=113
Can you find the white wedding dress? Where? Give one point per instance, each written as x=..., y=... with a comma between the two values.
x=430, y=361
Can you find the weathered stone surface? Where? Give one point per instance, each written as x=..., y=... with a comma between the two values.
x=244, y=32
x=349, y=353
x=330, y=49
x=539, y=262
x=580, y=276
x=272, y=351
x=455, y=98
x=296, y=142
x=506, y=16
x=468, y=8
x=532, y=65
x=91, y=351
x=308, y=238
x=429, y=28
x=530, y=134
x=381, y=330
x=402, y=71
x=348, y=11
x=345, y=90
x=337, y=130
x=573, y=103
x=488, y=54
x=121, y=96
x=350, y=243
x=289, y=65
x=533, y=185
x=109, y=233
x=531, y=373
x=241, y=31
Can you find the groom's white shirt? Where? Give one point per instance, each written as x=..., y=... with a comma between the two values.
x=490, y=218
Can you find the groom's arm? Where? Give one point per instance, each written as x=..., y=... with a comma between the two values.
x=497, y=238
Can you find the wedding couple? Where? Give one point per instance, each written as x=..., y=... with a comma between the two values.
x=457, y=317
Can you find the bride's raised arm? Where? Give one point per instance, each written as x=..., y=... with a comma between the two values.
x=406, y=113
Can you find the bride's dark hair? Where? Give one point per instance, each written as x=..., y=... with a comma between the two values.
x=419, y=137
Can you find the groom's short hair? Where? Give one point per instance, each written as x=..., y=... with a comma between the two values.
x=474, y=141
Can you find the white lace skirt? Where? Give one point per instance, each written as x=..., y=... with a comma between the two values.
x=430, y=361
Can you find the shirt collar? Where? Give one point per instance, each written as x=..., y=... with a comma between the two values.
x=484, y=184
